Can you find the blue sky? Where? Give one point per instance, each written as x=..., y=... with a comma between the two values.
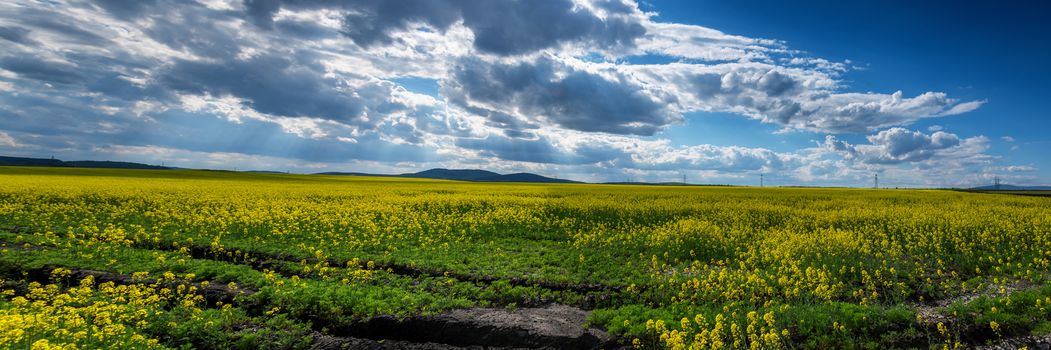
x=925, y=94
x=972, y=49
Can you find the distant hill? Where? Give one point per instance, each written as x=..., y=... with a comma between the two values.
x=1012, y=188
x=21, y=161
x=638, y=183
x=264, y=172
x=453, y=174
x=465, y=175
x=113, y=165
x=522, y=177
x=353, y=173
x=476, y=175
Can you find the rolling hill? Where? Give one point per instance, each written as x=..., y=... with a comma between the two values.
x=453, y=174
x=1012, y=188
x=475, y=175
x=51, y=162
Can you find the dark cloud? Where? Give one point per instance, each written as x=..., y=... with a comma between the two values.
x=372, y=22
x=776, y=84
x=571, y=98
x=16, y=34
x=125, y=8
x=60, y=24
x=513, y=149
x=104, y=76
x=706, y=85
x=261, y=12
x=198, y=30
x=40, y=69
x=280, y=86
x=305, y=30
x=516, y=27
x=499, y=27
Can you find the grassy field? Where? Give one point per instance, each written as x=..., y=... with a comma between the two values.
x=1036, y=193
x=144, y=259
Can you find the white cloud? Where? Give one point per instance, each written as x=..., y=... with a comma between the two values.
x=8, y=141
x=898, y=145
x=537, y=85
x=1012, y=169
x=702, y=43
x=911, y=158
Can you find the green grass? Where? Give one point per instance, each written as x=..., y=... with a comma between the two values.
x=839, y=268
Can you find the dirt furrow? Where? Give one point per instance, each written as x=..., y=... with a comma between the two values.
x=261, y=260
x=551, y=327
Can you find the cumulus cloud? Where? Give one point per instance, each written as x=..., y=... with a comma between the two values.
x=794, y=98
x=499, y=27
x=899, y=145
x=534, y=84
x=553, y=92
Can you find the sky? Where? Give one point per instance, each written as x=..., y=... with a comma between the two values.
x=827, y=93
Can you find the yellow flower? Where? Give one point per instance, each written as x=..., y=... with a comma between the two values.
x=41, y=344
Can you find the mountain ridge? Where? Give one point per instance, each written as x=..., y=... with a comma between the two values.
x=52, y=162
x=1004, y=187
x=474, y=175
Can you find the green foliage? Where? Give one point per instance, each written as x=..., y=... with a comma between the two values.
x=803, y=268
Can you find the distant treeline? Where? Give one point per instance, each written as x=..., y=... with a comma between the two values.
x=52, y=162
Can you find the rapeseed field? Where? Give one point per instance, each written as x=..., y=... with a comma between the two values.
x=130, y=259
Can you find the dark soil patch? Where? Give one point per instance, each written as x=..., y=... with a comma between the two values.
x=1028, y=342
x=327, y=342
x=931, y=313
x=551, y=327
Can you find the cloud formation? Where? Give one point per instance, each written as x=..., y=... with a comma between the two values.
x=898, y=145
x=548, y=91
x=527, y=84
x=794, y=98
x=499, y=27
